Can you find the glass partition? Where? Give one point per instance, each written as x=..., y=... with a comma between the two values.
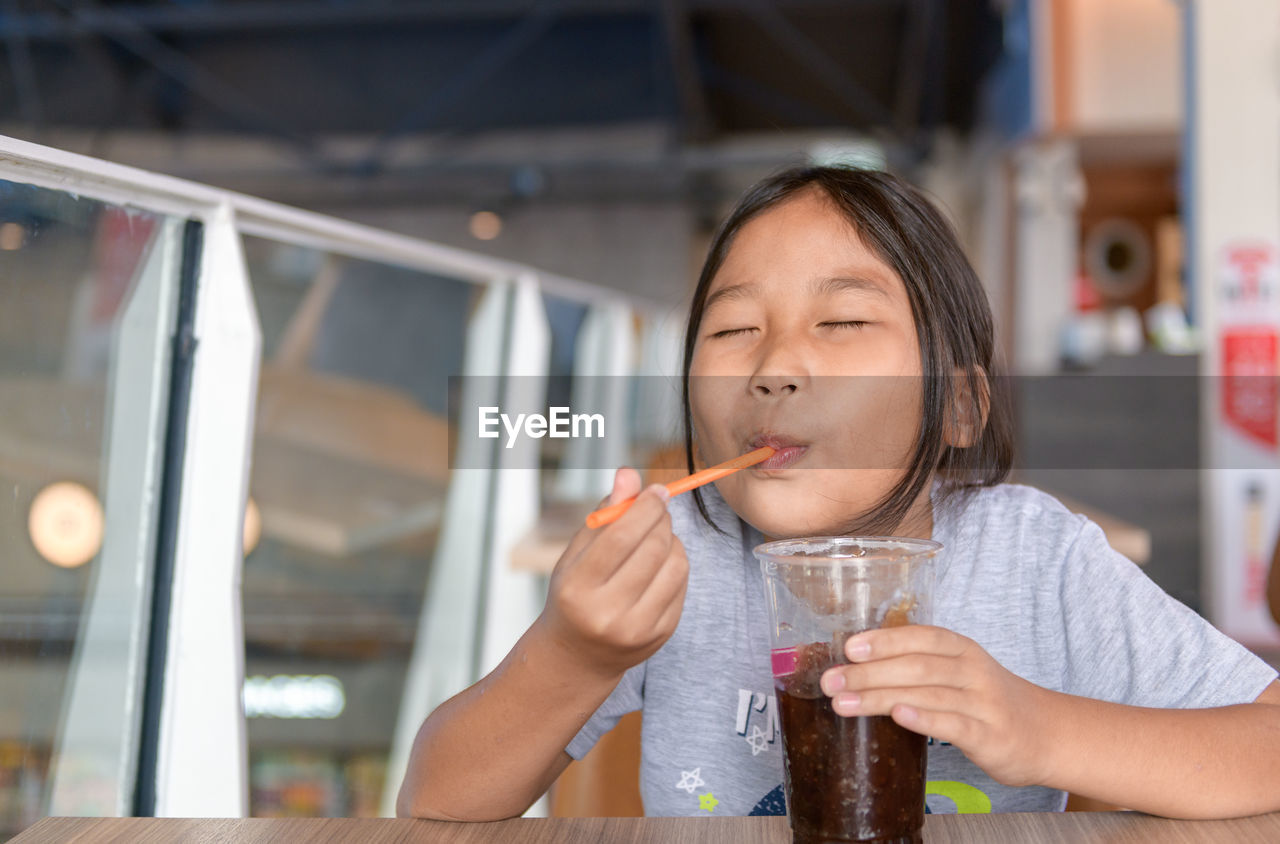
x=350, y=636
x=348, y=486
x=86, y=307
x=657, y=442
x=564, y=322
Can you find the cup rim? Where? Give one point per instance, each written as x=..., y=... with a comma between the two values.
x=916, y=549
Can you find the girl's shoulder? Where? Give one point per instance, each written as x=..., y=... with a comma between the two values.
x=1010, y=499
x=1008, y=515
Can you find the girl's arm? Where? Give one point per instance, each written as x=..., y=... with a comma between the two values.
x=1186, y=763
x=614, y=598
x=490, y=751
x=1183, y=763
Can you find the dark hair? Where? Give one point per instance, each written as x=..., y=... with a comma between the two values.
x=948, y=304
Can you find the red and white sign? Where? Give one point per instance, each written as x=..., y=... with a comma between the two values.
x=1245, y=439
x=1249, y=394
x=1249, y=281
x=1248, y=287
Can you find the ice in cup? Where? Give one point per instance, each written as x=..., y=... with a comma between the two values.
x=861, y=778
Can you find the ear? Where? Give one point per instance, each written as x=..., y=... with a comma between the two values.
x=968, y=407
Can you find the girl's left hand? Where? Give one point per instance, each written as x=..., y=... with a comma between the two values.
x=941, y=684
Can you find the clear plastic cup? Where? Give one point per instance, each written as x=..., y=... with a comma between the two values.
x=855, y=778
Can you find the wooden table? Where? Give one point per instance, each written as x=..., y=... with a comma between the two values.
x=939, y=829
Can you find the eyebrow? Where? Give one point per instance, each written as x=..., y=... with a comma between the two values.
x=840, y=284
x=728, y=294
x=826, y=286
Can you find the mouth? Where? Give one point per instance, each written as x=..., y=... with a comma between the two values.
x=787, y=451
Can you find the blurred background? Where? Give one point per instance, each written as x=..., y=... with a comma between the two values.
x=1112, y=168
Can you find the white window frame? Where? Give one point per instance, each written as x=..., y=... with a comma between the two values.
x=201, y=764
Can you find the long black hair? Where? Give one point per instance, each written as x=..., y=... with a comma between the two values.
x=952, y=319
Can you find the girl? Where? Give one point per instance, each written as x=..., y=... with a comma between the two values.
x=1055, y=665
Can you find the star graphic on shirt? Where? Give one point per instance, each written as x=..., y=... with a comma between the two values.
x=708, y=802
x=759, y=740
x=690, y=780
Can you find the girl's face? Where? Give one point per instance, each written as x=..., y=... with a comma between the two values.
x=807, y=343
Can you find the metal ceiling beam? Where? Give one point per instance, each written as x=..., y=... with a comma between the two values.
x=176, y=66
x=694, y=117
x=761, y=95
x=215, y=17
x=482, y=67
x=933, y=89
x=24, y=75
x=611, y=170
x=912, y=65
x=793, y=41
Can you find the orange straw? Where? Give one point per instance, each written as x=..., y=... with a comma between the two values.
x=610, y=514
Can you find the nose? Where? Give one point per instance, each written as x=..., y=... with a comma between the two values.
x=782, y=368
x=765, y=386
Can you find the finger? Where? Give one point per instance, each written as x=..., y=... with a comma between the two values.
x=572, y=556
x=666, y=587
x=882, y=701
x=628, y=581
x=626, y=484
x=951, y=727
x=613, y=543
x=896, y=641
x=584, y=537
x=670, y=617
x=897, y=672
x=672, y=603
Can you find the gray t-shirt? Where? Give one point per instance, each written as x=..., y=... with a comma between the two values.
x=1034, y=584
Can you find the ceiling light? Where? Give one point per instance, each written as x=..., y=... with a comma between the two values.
x=485, y=225
x=66, y=524
x=13, y=236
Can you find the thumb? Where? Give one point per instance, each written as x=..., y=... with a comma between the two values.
x=626, y=484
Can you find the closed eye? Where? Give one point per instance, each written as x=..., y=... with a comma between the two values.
x=731, y=332
x=851, y=323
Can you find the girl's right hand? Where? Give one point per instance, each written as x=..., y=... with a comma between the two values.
x=617, y=591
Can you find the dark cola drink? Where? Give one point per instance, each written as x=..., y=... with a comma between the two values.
x=848, y=779
x=858, y=779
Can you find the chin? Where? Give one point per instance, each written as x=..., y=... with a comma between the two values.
x=786, y=508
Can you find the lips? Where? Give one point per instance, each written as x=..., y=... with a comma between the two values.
x=786, y=450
